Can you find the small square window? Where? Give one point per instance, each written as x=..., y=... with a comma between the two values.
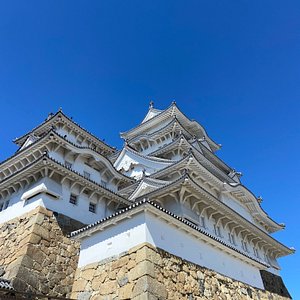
x=73, y=199
x=87, y=175
x=103, y=183
x=92, y=207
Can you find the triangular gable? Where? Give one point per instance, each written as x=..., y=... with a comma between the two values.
x=147, y=186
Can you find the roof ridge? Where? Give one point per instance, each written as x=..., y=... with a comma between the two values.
x=175, y=119
x=70, y=120
x=52, y=131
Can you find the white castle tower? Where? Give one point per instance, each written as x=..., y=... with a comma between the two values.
x=166, y=193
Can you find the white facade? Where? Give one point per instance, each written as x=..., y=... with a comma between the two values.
x=168, y=160
x=145, y=227
x=38, y=195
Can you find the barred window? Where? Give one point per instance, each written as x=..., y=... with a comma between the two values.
x=73, y=199
x=92, y=207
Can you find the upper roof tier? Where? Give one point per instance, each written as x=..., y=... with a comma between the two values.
x=155, y=117
x=59, y=118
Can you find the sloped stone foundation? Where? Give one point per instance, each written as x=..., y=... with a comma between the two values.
x=145, y=272
x=36, y=255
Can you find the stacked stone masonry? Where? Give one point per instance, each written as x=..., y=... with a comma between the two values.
x=36, y=255
x=145, y=272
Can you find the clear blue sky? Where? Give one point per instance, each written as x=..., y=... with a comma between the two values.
x=232, y=65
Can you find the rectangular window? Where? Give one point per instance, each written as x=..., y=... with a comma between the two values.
x=68, y=164
x=6, y=204
x=73, y=199
x=87, y=175
x=103, y=183
x=1, y=206
x=92, y=207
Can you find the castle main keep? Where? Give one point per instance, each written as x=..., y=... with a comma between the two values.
x=162, y=218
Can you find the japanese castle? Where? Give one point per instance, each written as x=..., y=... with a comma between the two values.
x=166, y=189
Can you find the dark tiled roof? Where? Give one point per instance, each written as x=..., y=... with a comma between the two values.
x=53, y=132
x=5, y=284
x=48, y=120
x=45, y=157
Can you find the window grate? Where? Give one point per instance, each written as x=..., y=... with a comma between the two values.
x=73, y=199
x=92, y=207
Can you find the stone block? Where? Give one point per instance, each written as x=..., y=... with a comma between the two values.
x=122, y=280
x=88, y=274
x=125, y=292
x=147, y=253
x=120, y=262
x=79, y=285
x=143, y=268
x=41, y=231
x=108, y=287
x=147, y=296
x=150, y=285
x=84, y=296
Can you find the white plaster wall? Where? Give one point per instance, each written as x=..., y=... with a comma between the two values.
x=185, y=211
x=80, y=212
x=113, y=240
x=17, y=207
x=199, y=252
x=144, y=227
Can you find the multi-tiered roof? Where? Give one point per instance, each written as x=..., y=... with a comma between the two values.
x=168, y=165
x=45, y=152
x=174, y=162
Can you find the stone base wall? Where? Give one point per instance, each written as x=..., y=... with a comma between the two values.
x=145, y=272
x=36, y=255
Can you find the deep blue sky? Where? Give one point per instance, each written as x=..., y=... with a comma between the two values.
x=232, y=65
